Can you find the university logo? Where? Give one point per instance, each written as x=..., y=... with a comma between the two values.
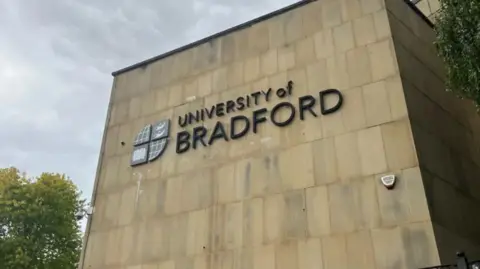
x=150, y=142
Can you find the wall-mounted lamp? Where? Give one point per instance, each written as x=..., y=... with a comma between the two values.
x=389, y=181
x=84, y=211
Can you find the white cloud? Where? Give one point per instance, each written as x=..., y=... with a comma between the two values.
x=55, y=63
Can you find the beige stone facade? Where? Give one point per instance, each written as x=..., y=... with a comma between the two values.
x=429, y=8
x=307, y=195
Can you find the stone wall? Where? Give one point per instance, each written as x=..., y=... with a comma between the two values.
x=446, y=133
x=303, y=196
x=428, y=7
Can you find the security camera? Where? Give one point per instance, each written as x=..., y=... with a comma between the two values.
x=80, y=214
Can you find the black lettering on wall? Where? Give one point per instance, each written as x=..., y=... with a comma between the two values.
x=279, y=106
x=255, y=96
x=306, y=103
x=218, y=132
x=182, y=121
x=230, y=106
x=234, y=133
x=290, y=87
x=281, y=93
x=210, y=112
x=267, y=94
x=199, y=134
x=220, y=109
x=330, y=101
x=258, y=117
x=241, y=103
x=192, y=118
x=183, y=142
x=323, y=94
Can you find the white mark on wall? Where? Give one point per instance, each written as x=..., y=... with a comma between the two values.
x=191, y=98
x=265, y=139
x=139, y=186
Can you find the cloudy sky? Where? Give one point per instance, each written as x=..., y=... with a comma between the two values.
x=56, y=57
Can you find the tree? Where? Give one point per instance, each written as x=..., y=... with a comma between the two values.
x=38, y=229
x=458, y=44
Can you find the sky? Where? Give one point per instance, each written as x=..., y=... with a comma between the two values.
x=56, y=60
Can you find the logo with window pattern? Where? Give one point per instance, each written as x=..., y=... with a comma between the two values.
x=150, y=143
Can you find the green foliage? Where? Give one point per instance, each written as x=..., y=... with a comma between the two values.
x=458, y=43
x=38, y=229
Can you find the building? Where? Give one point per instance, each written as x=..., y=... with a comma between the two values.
x=265, y=146
x=429, y=8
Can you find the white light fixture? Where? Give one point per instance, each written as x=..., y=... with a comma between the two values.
x=389, y=181
x=88, y=211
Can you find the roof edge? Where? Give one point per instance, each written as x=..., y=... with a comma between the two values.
x=413, y=6
x=219, y=34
